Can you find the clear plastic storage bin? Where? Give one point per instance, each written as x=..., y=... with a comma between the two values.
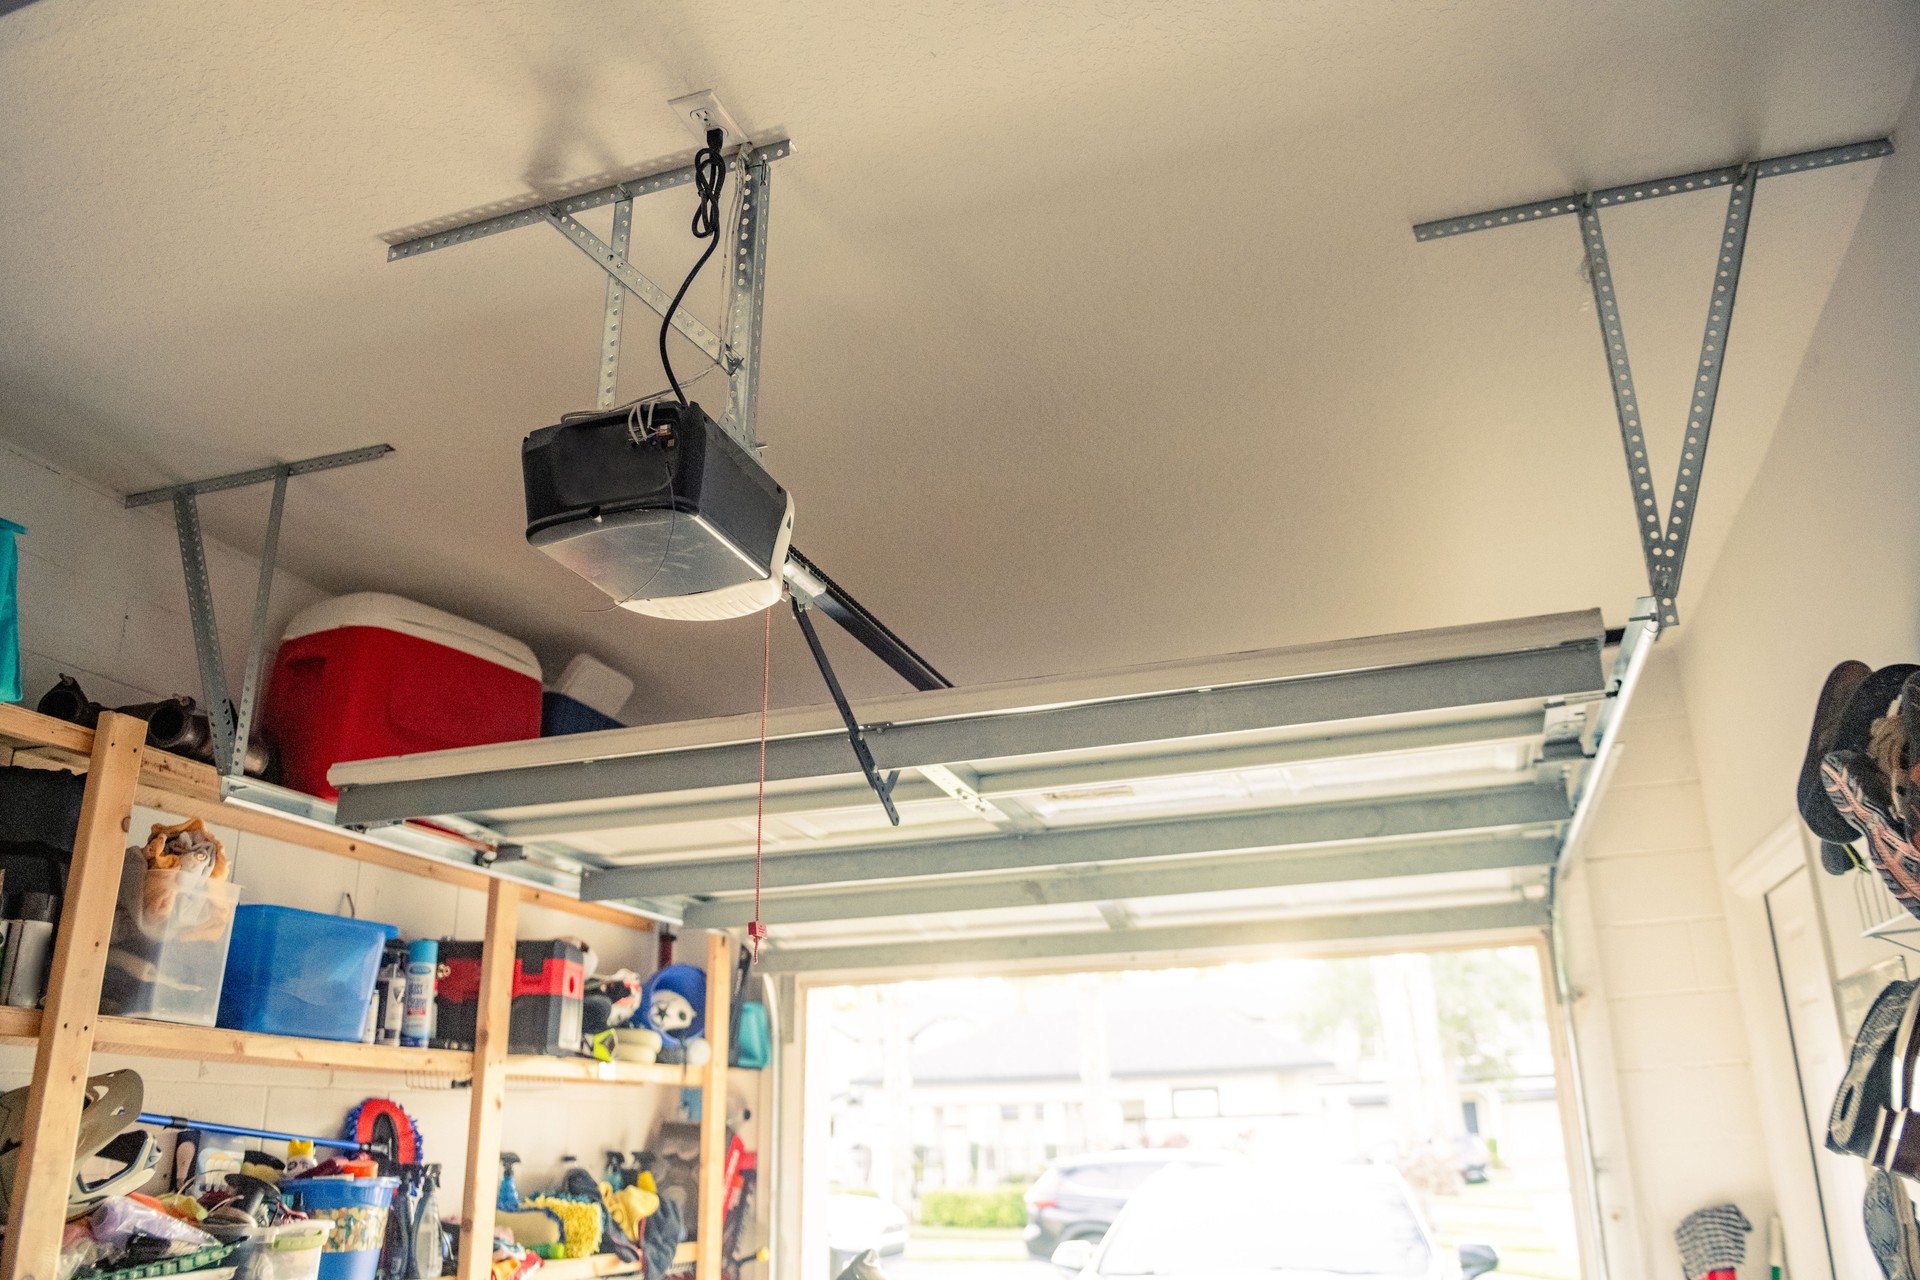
x=169, y=948
x=291, y=1251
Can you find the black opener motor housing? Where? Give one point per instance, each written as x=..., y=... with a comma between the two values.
x=654, y=503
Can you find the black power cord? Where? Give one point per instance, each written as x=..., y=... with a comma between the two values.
x=709, y=178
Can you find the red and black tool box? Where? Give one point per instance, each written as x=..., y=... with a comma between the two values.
x=548, y=981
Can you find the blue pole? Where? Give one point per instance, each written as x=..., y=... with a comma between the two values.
x=240, y=1131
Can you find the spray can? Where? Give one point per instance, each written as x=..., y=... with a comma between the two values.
x=299, y=1157
x=423, y=964
x=390, y=992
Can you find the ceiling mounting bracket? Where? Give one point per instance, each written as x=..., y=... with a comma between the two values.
x=735, y=350
x=232, y=725
x=1663, y=539
x=882, y=787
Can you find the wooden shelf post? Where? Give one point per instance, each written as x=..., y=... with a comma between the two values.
x=44, y=1172
x=712, y=1211
x=493, y=1018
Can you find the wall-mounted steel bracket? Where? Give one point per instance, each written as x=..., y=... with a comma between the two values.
x=882, y=787
x=232, y=726
x=1664, y=545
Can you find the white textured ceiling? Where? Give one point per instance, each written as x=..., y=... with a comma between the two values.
x=1095, y=333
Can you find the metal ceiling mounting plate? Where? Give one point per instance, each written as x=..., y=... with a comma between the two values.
x=1664, y=545
x=736, y=351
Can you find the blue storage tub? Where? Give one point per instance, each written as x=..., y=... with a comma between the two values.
x=560, y=715
x=358, y=1208
x=300, y=973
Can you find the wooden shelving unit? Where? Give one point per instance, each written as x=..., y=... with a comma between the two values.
x=587, y=1071
x=218, y=1044
x=69, y=1031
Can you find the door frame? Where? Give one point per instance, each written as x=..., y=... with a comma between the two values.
x=1787, y=1131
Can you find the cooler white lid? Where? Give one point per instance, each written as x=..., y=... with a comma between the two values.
x=593, y=683
x=409, y=617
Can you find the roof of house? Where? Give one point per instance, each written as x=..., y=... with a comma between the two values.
x=1045, y=1044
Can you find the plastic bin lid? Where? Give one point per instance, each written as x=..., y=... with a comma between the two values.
x=593, y=683
x=270, y=909
x=409, y=617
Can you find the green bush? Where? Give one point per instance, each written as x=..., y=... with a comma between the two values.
x=1004, y=1207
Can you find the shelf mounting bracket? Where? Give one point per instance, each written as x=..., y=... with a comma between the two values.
x=232, y=725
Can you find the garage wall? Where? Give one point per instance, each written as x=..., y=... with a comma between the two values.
x=1667, y=1063
x=1823, y=564
x=1824, y=559
x=102, y=598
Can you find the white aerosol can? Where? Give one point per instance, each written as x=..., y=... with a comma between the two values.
x=423, y=964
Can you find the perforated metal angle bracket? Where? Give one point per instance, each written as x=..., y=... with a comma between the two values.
x=737, y=352
x=1664, y=539
x=231, y=726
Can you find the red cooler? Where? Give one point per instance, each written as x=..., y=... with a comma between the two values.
x=369, y=675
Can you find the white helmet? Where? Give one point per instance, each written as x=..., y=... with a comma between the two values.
x=107, y=1132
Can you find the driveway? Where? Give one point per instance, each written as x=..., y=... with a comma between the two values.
x=967, y=1269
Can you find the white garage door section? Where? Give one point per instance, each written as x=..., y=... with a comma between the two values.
x=1399, y=787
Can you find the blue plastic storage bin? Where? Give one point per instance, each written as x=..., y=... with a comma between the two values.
x=358, y=1208
x=300, y=973
x=560, y=715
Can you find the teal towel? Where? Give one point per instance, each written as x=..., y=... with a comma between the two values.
x=9, y=611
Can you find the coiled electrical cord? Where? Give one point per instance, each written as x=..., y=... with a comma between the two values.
x=709, y=179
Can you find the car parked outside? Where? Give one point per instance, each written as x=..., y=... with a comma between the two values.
x=1078, y=1197
x=1227, y=1223
x=856, y=1224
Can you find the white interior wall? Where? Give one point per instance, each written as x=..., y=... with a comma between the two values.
x=102, y=598
x=1823, y=564
x=1665, y=1055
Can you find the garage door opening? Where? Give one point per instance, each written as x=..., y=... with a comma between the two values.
x=1383, y=1115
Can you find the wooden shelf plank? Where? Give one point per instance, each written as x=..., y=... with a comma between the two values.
x=590, y=1071
x=19, y=1026
x=607, y=1264
x=142, y=1039
x=20, y=727
x=218, y=1044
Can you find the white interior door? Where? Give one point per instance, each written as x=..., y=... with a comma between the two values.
x=1813, y=1017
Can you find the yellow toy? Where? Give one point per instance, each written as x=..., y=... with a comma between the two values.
x=580, y=1222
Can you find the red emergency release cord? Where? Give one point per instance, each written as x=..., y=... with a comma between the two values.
x=757, y=930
